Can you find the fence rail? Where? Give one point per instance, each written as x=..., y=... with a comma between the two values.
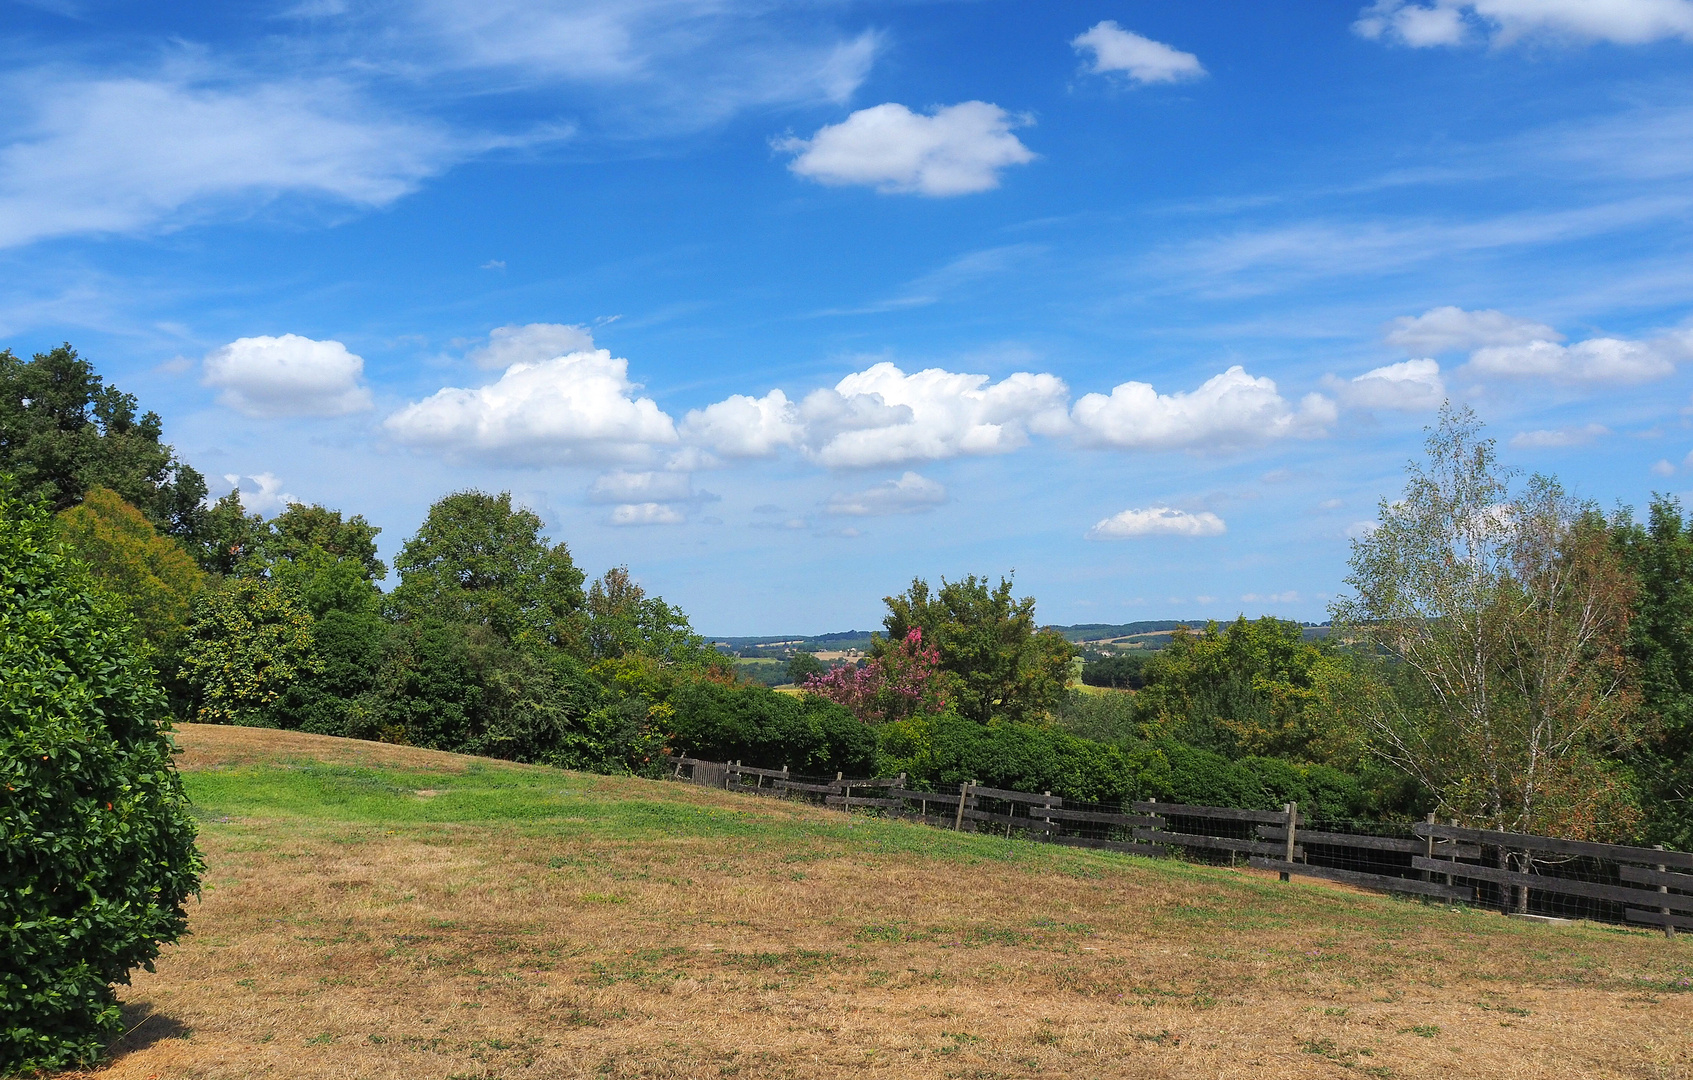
x=1527, y=875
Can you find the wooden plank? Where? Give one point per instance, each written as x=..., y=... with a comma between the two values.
x=1151, y=851
x=948, y=797
x=1552, y=845
x=844, y=800
x=1654, y=878
x=793, y=785
x=1658, y=918
x=1373, y=843
x=1033, y=823
x=1379, y=882
x=1215, y=843
x=1224, y=813
x=1014, y=796
x=750, y=771
x=1593, y=890
x=1149, y=821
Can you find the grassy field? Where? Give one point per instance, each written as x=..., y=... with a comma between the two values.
x=375, y=911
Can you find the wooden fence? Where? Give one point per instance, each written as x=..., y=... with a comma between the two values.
x=1526, y=875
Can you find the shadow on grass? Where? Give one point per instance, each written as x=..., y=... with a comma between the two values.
x=143, y=1026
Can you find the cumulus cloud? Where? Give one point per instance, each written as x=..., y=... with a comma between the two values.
x=287, y=376
x=1556, y=437
x=650, y=513
x=531, y=343
x=125, y=155
x=1411, y=385
x=268, y=499
x=1141, y=59
x=1157, y=521
x=1360, y=529
x=742, y=427
x=580, y=407
x=638, y=487
x=1449, y=328
x=1230, y=409
x=1597, y=360
x=1289, y=597
x=1501, y=22
x=882, y=416
x=955, y=150
x=910, y=494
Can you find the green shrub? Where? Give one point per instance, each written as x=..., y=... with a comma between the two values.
x=940, y=752
x=758, y=726
x=97, y=848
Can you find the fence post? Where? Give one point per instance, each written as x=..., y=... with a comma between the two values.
x=963, y=793
x=1428, y=848
x=1047, y=822
x=1292, y=831
x=1669, y=930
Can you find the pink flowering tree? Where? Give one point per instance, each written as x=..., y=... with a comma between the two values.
x=903, y=682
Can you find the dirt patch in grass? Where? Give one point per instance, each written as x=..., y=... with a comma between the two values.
x=531, y=923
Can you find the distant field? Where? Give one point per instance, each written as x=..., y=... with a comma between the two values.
x=376, y=911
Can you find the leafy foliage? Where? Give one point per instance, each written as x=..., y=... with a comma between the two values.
x=1511, y=612
x=63, y=432
x=478, y=560
x=97, y=848
x=151, y=575
x=1124, y=671
x=250, y=641
x=998, y=664
x=904, y=680
x=940, y=752
x=761, y=727
x=622, y=620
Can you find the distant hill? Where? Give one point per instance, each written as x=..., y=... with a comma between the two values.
x=1147, y=634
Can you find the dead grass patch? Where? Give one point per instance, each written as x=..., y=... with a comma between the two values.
x=764, y=939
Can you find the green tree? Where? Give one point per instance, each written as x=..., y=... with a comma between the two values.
x=251, y=640
x=63, y=431
x=622, y=620
x=803, y=666
x=97, y=851
x=149, y=574
x=304, y=529
x=230, y=540
x=1660, y=553
x=1511, y=613
x=478, y=560
x=998, y=663
x=1253, y=688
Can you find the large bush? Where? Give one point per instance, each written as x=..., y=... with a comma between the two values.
x=940, y=752
x=97, y=849
x=758, y=726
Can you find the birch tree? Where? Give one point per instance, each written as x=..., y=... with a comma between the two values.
x=1508, y=612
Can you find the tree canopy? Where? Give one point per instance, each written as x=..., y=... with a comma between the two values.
x=998, y=663
x=63, y=431
x=149, y=574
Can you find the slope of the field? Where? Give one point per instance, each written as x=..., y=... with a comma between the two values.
x=374, y=911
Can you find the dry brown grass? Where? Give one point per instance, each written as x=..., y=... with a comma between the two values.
x=806, y=944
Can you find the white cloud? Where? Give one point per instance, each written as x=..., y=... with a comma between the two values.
x=1597, y=360
x=642, y=487
x=1157, y=521
x=1411, y=385
x=740, y=426
x=573, y=408
x=287, y=376
x=910, y=494
x=646, y=514
x=1449, y=328
x=1141, y=58
x=127, y=155
x=1501, y=22
x=269, y=499
x=1662, y=467
x=956, y=150
x=1289, y=597
x=1230, y=409
x=882, y=416
x=1360, y=529
x=1556, y=437
x=529, y=344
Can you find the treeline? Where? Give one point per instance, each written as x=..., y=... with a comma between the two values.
x=1507, y=655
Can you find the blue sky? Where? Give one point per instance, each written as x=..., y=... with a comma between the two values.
x=781, y=304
